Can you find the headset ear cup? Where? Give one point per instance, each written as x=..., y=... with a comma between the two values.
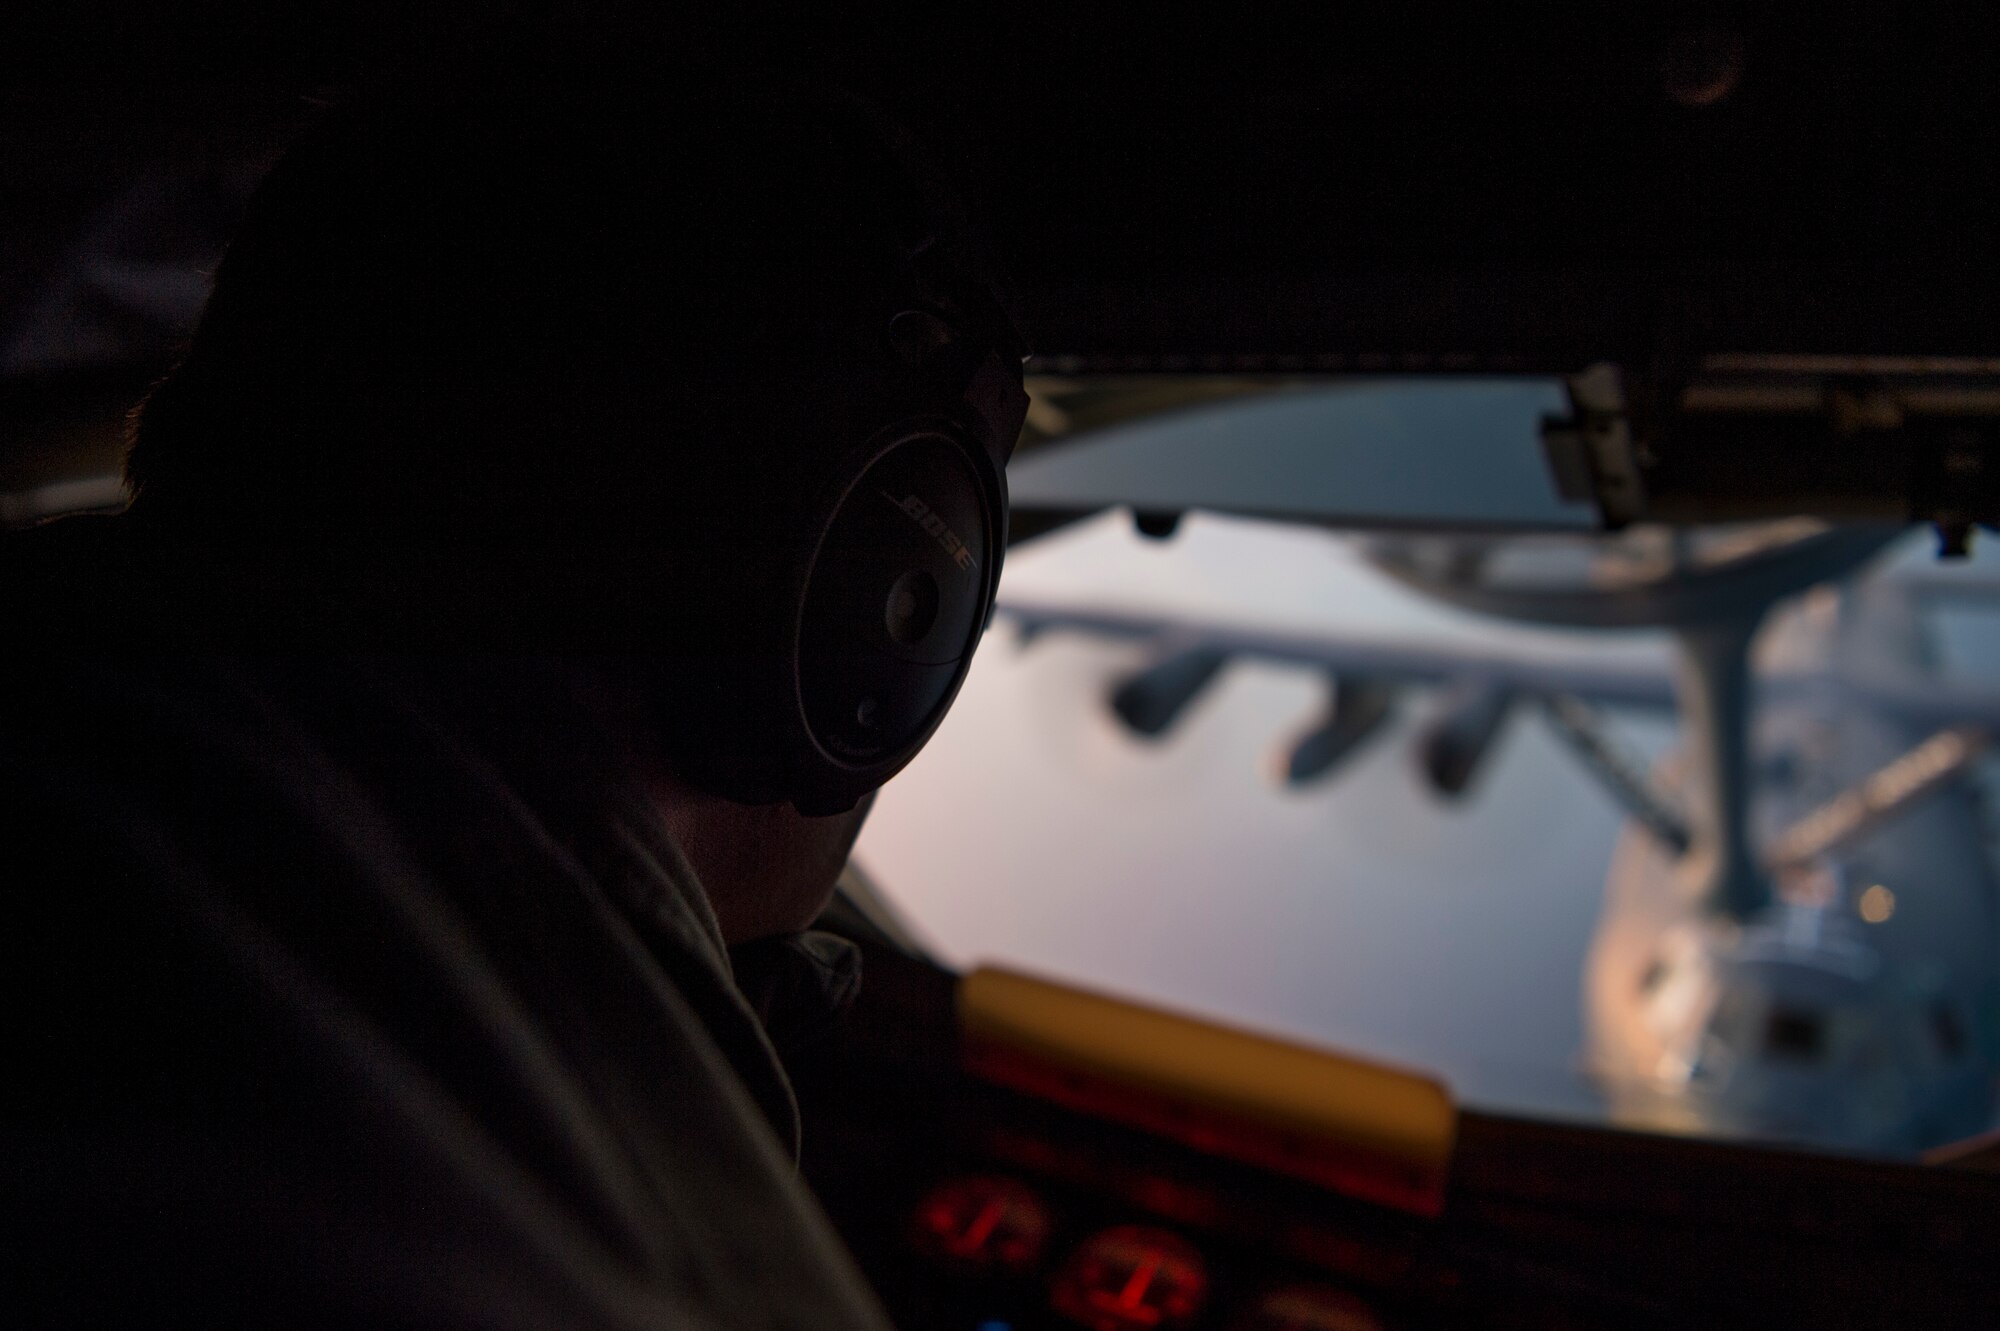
x=894, y=584
x=831, y=645
x=895, y=598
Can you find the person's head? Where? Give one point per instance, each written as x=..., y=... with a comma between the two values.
x=621, y=363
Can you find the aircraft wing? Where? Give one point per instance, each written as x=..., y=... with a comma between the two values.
x=1925, y=701
x=1933, y=704
x=1512, y=669
x=1483, y=683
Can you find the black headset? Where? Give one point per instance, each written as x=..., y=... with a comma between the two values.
x=816, y=664
x=806, y=605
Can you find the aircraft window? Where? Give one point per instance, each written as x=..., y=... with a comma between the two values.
x=1793, y=1033
x=1465, y=451
x=1480, y=868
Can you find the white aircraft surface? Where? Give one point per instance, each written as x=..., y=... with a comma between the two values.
x=1247, y=770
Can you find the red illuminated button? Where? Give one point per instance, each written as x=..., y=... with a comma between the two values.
x=984, y=1222
x=1308, y=1308
x=1132, y=1276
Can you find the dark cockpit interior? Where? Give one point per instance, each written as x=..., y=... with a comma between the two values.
x=1754, y=245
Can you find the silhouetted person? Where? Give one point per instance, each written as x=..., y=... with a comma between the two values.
x=368, y=956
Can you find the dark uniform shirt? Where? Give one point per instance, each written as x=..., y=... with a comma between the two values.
x=336, y=996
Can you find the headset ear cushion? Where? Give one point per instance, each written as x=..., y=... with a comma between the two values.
x=833, y=660
x=895, y=600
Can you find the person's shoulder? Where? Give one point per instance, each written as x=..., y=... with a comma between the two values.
x=109, y=585
x=65, y=583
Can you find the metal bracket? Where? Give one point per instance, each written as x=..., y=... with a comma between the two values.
x=1590, y=451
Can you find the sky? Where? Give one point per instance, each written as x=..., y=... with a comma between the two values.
x=1364, y=914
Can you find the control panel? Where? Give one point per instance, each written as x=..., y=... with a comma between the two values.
x=997, y=1252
